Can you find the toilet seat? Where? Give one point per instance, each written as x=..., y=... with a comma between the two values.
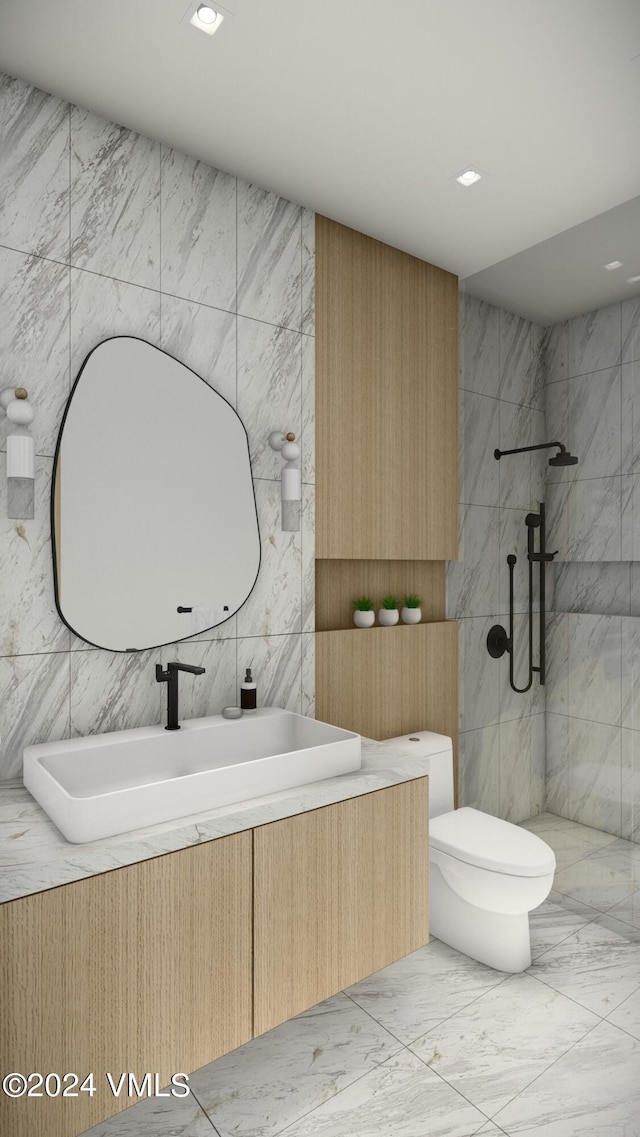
x=487, y=842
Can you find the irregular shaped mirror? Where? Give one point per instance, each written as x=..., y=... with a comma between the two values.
x=153, y=508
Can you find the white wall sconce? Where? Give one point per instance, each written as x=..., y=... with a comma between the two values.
x=21, y=453
x=291, y=479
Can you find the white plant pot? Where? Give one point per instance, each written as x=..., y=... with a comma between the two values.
x=411, y=615
x=364, y=619
x=388, y=616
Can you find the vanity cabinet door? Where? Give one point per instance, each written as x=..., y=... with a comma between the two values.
x=146, y=968
x=339, y=892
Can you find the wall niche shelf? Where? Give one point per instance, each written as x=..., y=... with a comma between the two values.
x=339, y=582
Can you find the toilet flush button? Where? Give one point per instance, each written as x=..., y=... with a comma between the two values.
x=412, y=738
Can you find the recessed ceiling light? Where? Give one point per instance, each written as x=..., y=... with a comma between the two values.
x=633, y=280
x=613, y=264
x=206, y=19
x=469, y=176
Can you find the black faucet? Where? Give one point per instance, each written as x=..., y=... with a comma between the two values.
x=170, y=677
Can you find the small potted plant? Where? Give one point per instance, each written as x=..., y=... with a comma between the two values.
x=412, y=611
x=388, y=614
x=363, y=613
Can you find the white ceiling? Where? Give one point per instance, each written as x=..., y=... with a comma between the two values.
x=364, y=109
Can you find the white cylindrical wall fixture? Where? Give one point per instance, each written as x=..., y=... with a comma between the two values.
x=21, y=455
x=291, y=484
x=291, y=478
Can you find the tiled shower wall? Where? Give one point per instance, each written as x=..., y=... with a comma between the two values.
x=104, y=232
x=593, y=693
x=502, y=735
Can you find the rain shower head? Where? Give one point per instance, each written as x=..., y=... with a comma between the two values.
x=562, y=458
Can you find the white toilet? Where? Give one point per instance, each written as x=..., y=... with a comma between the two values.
x=485, y=874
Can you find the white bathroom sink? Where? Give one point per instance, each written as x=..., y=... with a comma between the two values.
x=110, y=783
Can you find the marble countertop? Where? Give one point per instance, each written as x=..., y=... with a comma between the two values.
x=34, y=855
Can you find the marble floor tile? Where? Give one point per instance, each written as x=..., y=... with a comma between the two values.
x=568, y=847
x=627, y=1015
x=593, y=1091
x=542, y=821
x=269, y=1083
x=628, y=910
x=585, y=832
x=491, y=1050
x=557, y=918
x=418, y=992
x=156, y=1117
x=598, y=966
x=402, y=1098
x=594, y=883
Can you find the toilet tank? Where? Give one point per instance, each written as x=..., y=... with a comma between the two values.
x=439, y=750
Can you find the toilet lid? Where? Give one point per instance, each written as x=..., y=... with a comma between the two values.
x=479, y=839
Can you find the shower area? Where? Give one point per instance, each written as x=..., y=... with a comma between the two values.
x=550, y=719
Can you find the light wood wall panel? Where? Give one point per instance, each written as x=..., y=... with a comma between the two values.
x=382, y=682
x=386, y=401
x=338, y=583
x=146, y=968
x=339, y=893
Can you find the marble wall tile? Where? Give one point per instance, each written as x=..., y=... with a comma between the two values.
x=274, y=1080
x=515, y=769
x=479, y=769
x=102, y=307
x=269, y=257
x=557, y=661
x=269, y=389
x=515, y=358
x=34, y=340
x=562, y=586
x=555, y=352
x=479, y=702
x=34, y=170
x=630, y=310
x=538, y=364
x=539, y=459
x=587, y=1091
x=308, y=706
x=630, y=821
x=603, y=588
x=34, y=705
x=204, y=339
x=275, y=604
x=595, y=425
x=308, y=530
x=557, y=763
x=584, y=519
x=595, y=340
x=630, y=517
x=634, y=589
x=479, y=333
x=115, y=691
x=480, y=435
x=405, y=1089
x=595, y=668
x=207, y=694
x=198, y=209
x=630, y=672
x=492, y=1049
x=630, y=388
x=557, y=426
x=595, y=775
x=308, y=434
x=115, y=200
x=473, y=581
x=538, y=763
x=29, y=621
x=276, y=663
x=515, y=469
x=308, y=324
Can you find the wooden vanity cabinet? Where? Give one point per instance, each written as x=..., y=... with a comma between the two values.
x=146, y=968
x=339, y=893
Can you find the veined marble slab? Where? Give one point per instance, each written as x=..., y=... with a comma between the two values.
x=34, y=855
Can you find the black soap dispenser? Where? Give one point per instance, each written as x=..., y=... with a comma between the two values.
x=248, y=693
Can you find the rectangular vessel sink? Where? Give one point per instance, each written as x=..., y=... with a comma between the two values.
x=111, y=783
